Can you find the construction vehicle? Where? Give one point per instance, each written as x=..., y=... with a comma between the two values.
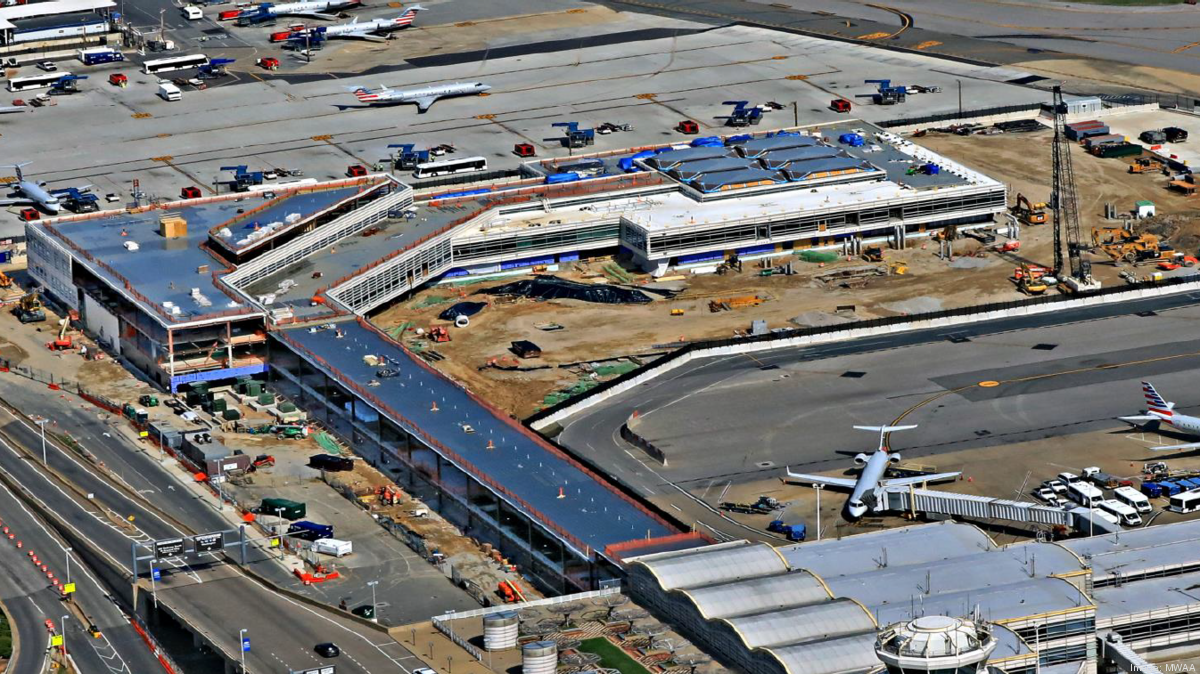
x=1028, y=212
x=840, y=105
x=688, y=127
x=730, y=264
x=439, y=333
x=408, y=158
x=290, y=432
x=63, y=341
x=148, y=400
x=729, y=303
x=763, y=506
x=1065, y=205
x=873, y=254
x=5, y=281
x=741, y=115
x=886, y=94
x=67, y=84
x=575, y=136
x=261, y=461
x=1122, y=244
x=1030, y=282
x=29, y=309
x=1146, y=164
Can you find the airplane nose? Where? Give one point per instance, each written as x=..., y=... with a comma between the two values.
x=856, y=510
x=485, y=87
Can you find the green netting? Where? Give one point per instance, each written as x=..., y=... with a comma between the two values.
x=327, y=443
x=614, y=369
x=399, y=330
x=431, y=300
x=817, y=256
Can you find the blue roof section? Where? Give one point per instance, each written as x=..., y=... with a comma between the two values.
x=694, y=169
x=672, y=159
x=760, y=146
x=778, y=159
x=828, y=166
x=747, y=177
x=161, y=270
x=526, y=467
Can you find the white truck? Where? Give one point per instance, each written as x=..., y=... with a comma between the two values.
x=169, y=92
x=333, y=546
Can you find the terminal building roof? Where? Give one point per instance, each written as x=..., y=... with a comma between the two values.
x=129, y=252
x=589, y=511
x=1140, y=552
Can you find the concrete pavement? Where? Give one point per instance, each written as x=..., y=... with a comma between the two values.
x=737, y=418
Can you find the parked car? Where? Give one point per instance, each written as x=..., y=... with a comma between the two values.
x=48, y=66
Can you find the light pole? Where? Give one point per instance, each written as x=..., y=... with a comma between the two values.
x=817, y=487
x=63, y=624
x=374, y=604
x=42, y=423
x=69, y=566
x=242, y=647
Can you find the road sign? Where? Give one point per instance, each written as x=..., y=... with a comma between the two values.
x=171, y=547
x=245, y=644
x=56, y=640
x=208, y=542
x=68, y=588
x=156, y=574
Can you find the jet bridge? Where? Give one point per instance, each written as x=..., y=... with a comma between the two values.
x=927, y=502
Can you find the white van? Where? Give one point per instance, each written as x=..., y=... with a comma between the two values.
x=1125, y=513
x=1085, y=494
x=1068, y=478
x=192, y=13
x=333, y=546
x=1133, y=498
x=1186, y=502
x=169, y=92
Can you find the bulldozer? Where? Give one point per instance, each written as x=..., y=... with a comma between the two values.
x=1122, y=244
x=1028, y=212
x=873, y=254
x=29, y=309
x=1144, y=165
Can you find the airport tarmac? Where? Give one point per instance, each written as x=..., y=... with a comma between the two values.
x=739, y=418
x=117, y=135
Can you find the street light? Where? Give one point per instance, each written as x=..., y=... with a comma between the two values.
x=374, y=605
x=68, y=565
x=64, y=634
x=242, y=647
x=42, y=423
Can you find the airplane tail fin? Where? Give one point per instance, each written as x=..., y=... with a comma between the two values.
x=884, y=430
x=1155, y=402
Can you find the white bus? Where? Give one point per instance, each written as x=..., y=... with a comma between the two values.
x=35, y=81
x=448, y=166
x=1126, y=514
x=1133, y=498
x=1186, y=502
x=1085, y=494
x=174, y=63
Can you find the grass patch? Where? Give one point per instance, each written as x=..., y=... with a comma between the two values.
x=5, y=637
x=612, y=657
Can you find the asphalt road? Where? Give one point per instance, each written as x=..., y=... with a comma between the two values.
x=740, y=418
x=31, y=599
x=210, y=592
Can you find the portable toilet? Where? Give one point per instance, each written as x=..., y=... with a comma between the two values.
x=1144, y=209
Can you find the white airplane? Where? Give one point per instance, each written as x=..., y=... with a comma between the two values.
x=375, y=30
x=29, y=192
x=319, y=9
x=12, y=108
x=423, y=97
x=1164, y=412
x=866, y=490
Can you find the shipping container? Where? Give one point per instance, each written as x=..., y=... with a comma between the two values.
x=1092, y=141
x=310, y=531
x=231, y=464
x=333, y=546
x=282, y=507
x=1117, y=150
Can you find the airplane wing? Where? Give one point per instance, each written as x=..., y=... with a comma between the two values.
x=822, y=480
x=424, y=102
x=1137, y=418
x=17, y=201
x=918, y=479
x=15, y=108
x=371, y=36
x=1187, y=445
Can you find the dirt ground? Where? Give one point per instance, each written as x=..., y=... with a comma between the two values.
x=596, y=331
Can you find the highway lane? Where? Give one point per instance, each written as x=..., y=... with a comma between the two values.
x=29, y=593
x=740, y=418
x=213, y=592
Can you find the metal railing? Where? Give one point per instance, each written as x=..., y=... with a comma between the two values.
x=965, y=114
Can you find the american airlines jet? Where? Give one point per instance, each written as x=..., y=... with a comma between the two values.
x=865, y=491
x=376, y=29
x=1164, y=412
x=321, y=9
x=423, y=97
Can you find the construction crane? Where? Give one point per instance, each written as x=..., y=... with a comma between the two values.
x=1064, y=202
x=577, y=137
x=741, y=115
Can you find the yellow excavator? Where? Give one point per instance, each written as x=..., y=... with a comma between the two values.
x=1028, y=212
x=1122, y=244
x=29, y=309
x=1029, y=284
